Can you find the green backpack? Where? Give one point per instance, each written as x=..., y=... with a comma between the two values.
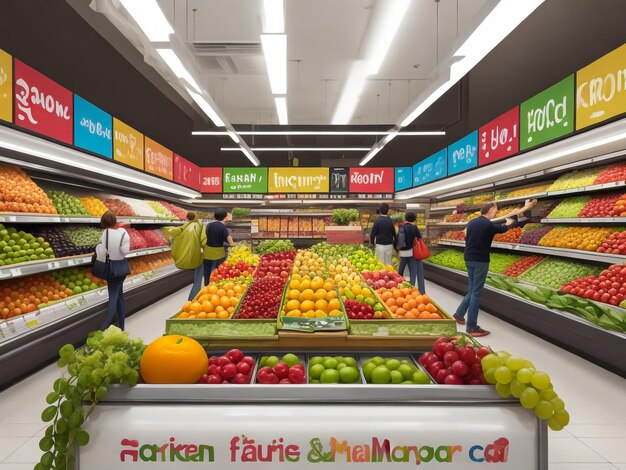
x=186, y=247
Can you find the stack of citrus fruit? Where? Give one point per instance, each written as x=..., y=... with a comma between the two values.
x=308, y=263
x=93, y=205
x=214, y=301
x=311, y=298
x=408, y=303
x=343, y=273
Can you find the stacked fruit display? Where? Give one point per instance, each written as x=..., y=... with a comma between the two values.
x=619, y=210
x=308, y=263
x=500, y=261
x=274, y=246
x=390, y=370
x=577, y=238
x=569, y=208
x=19, y=247
x=25, y=295
x=407, y=303
x=153, y=238
x=454, y=218
x=76, y=280
x=343, y=273
x=287, y=370
x=365, y=260
x=262, y=299
x=137, y=242
x=362, y=304
x=241, y=252
x=506, y=211
x=93, y=205
x=161, y=211
x=455, y=362
x=471, y=216
x=601, y=206
x=179, y=213
x=66, y=204
x=510, y=236
x=276, y=264
x=143, y=264
x=141, y=207
x=544, y=207
x=382, y=278
x=308, y=297
x=612, y=173
x=554, y=272
x=59, y=243
x=83, y=237
x=332, y=252
x=615, y=244
x=528, y=191
x=522, y=265
x=231, y=368
x=18, y=193
x=215, y=301
x=450, y=259
x=609, y=287
x=576, y=179
x=226, y=270
x=334, y=370
x=119, y=207
x=532, y=237
x=454, y=235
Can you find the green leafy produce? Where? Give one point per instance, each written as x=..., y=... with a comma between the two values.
x=66, y=204
x=240, y=212
x=19, y=247
x=345, y=216
x=109, y=357
x=569, y=208
x=500, y=261
x=555, y=272
x=82, y=236
x=274, y=246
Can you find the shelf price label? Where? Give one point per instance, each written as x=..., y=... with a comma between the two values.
x=16, y=272
x=75, y=303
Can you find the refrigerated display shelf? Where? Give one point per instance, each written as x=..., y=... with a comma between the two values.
x=33, y=267
x=62, y=219
x=587, y=220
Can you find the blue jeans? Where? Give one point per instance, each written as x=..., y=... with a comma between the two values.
x=197, y=282
x=210, y=265
x=116, y=302
x=476, y=277
x=416, y=271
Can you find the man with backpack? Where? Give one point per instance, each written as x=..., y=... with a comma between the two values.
x=407, y=234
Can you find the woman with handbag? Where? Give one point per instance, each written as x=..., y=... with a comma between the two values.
x=187, y=250
x=113, y=266
x=408, y=235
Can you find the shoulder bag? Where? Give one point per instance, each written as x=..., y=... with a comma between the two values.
x=110, y=269
x=420, y=250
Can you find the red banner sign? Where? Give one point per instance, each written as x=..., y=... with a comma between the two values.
x=41, y=104
x=499, y=138
x=210, y=180
x=371, y=180
x=186, y=173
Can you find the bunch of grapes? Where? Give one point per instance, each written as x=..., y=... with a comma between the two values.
x=514, y=375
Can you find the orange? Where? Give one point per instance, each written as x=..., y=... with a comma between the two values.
x=421, y=308
x=295, y=313
x=412, y=304
x=320, y=294
x=317, y=283
x=385, y=296
x=225, y=302
x=215, y=299
x=390, y=302
x=238, y=289
x=186, y=306
x=307, y=305
x=393, y=308
x=329, y=286
x=321, y=304
x=204, y=297
x=308, y=294
x=410, y=315
x=425, y=299
x=212, y=288
x=230, y=292
x=202, y=315
x=294, y=284
x=195, y=307
x=400, y=300
x=331, y=294
x=401, y=312
x=221, y=292
x=335, y=313
x=356, y=289
x=293, y=294
x=219, y=309
x=292, y=305
x=310, y=314
x=207, y=306
x=305, y=283
x=334, y=304
x=173, y=359
x=223, y=315
x=182, y=314
x=431, y=308
x=230, y=310
x=320, y=314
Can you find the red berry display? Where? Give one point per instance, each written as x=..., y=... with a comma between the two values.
x=609, y=287
x=612, y=173
x=275, y=264
x=615, y=244
x=452, y=362
x=454, y=235
x=601, y=206
x=281, y=373
x=231, y=368
x=227, y=270
x=137, y=242
x=523, y=265
x=119, y=207
x=263, y=298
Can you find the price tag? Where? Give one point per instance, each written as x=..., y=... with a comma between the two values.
x=11, y=218
x=3, y=325
x=75, y=303
x=54, y=265
x=16, y=272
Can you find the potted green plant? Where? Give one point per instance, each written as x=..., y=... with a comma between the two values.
x=346, y=228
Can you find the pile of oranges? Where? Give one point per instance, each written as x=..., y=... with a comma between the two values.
x=408, y=303
x=577, y=238
x=142, y=264
x=311, y=298
x=214, y=301
x=24, y=295
x=510, y=236
x=93, y=205
x=18, y=193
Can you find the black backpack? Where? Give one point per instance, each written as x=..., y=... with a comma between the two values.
x=401, y=243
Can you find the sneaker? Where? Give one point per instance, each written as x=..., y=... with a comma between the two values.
x=459, y=319
x=478, y=332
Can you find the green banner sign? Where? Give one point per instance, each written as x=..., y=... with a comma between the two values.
x=548, y=115
x=245, y=180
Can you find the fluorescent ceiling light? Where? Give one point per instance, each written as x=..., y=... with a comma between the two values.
x=427, y=102
x=298, y=149
x=275, y=51
x=350, y=93
x=273, y=17
x=150, y=18
x=371, y=154
x=386, y=20
x=338, y=133
x=281, y=109
x=252, y=157
x=233, y=136
x=205, y=107
x=176, y=66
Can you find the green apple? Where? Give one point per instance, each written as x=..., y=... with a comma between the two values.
x=329, y=376
x=291, y=360
x=392, y=364
x=420, y=377
x=396, y=377
x=367, y=370
x=316, y=370
x=381, y=375
x=349, y=375
x=331, y=363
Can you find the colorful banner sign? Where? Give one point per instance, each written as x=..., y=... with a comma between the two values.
x=211, y=180
x=339, y=180
x=93, y=128
x=404, y=178
x=298, y=180
x=547, y=115
x=431, y=168
x=463, y=154
x=371, y=180
x=499, y=138
x=186, y=173
x=245, y=180
x=127, y=145
x=6, y=86
x=158, y=159
x=42, y=105
x=601, y=89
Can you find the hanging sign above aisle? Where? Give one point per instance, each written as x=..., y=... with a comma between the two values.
x=93, y=128
x=186, y=173
x=303, y=180
x=431, y=168
x=42, y=105
x=547, y=115
x=371, y=180
x=499, y=138
x=210, y=180
x=158, y=159
x=601, y=89
x=6, y=86
x=245, y=180
x=339, y=180
x=463, y=154
x=404, y=178
x=127, y=145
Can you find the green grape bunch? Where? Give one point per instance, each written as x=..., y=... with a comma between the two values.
x=108, y=357
x=516, y=376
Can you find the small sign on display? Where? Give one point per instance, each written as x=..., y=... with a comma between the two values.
x=431, y=168
x=463, y=154
x=158, y=159
x=499, y=138
x=245, y=180
x=127, y=145
x=93, y=128
x=371, y=180
x=404, y=178
x=6, y=86
x=339, y=180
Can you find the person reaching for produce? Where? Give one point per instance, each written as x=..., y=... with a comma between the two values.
x=213, y=240
x=407, y=233
x=479, y=235
x=383, y=235
x=187, y=250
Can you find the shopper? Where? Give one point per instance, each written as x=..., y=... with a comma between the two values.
x=479, y=235
x=383, y=235
x=187, y=250
x=213, y=240
x=116, y=243
x=407, y=233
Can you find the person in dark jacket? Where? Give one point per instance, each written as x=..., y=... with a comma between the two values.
x=214, y=240
x=479, y=235
x=416, y=266
x=383, y=235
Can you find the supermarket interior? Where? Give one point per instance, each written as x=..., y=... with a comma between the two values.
x=304, y=199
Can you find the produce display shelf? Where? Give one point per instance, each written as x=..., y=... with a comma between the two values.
x=550, y=251
x=33, y=267
x=587, y=220
x=20, y=218
x=442, y=209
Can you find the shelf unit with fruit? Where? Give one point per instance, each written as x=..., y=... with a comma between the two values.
x=21, y=218
x=587, y=220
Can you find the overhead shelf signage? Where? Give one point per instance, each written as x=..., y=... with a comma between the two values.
x=299, y=180
x=127, y=145
x=42, y=105
x=547, y=115
x=211, y=180
x=6, y=87
x=372, y=180
x=158, y=159
x=339, y=180
x=186, y=173
x=245, y=180
x=601, y=89
x=431, y=168
x=499, y=138
x=463, y=154
x=93, y=128
x=403, y=178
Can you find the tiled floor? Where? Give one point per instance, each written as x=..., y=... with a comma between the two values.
x=596, y=399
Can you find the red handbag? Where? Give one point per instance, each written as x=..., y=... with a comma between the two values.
x=420, y=250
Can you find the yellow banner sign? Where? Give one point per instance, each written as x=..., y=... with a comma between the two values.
x=6, y=87
x=158, y=159
x=298, y=180
x=601, y=89
x=127, y=144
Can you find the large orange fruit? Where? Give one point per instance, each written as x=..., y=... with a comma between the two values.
x=173, y=359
